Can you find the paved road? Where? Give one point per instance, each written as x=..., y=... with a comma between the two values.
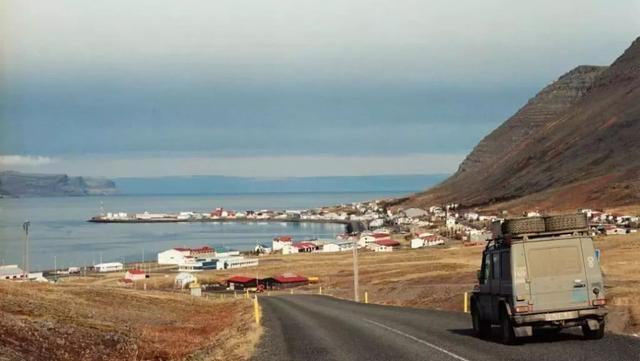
x=309, y=327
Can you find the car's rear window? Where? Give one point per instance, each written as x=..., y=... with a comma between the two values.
x=555, y=261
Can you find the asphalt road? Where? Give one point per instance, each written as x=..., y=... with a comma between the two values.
x=309, y=327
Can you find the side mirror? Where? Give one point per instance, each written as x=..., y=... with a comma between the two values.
x=479, y=276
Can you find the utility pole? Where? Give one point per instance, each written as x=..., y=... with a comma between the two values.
x=25, y=227
x=356, y=291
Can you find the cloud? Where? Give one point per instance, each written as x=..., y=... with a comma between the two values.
x=25, y=161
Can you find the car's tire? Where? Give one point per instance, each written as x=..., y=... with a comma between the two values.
x=593, y=334
x=481, y=327
x=507, y=334
x=523, y=225
x=566, y=222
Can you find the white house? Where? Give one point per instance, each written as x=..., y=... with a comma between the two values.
x=179, y=254
x=11, y=272
x=417, y=243
x=236, y=262
x=338, y=246
x=262, y=249
x=280, y=242
x=109, y=267
x=135, y=275
x=384, y=246
x=183, y=279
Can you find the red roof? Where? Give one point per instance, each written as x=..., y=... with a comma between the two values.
x=241, y=279
x=283, y=238
x=388, y=243
x=305, y=245
x=380, y=235
x=203, y=249
x=290, y=279
x=136, y=271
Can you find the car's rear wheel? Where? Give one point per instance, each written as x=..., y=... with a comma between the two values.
x=507, y=334
x=481, y=327
x=593, y=334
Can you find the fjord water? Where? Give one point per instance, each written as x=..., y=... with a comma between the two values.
x=59, y=228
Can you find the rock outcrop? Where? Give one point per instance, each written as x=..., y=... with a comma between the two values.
x=18, y=184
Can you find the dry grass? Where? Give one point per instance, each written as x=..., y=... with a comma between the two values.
x=81, y=322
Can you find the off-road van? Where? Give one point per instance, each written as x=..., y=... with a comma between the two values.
x=539, y=272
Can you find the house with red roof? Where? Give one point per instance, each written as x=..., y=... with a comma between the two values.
x=384, y=245
x=178, y=255
x=280, y=242
x=286, y=280
x=135, y=275
x=300, y=247
x=241, y=282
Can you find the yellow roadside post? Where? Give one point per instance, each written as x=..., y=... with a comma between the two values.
x=291, y=290
x=320, y=290
x=466, y=302
x=366, y=297
x=256, y=310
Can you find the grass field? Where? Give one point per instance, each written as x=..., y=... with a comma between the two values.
x=98, y=322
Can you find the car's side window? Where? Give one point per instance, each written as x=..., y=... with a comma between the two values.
x=487, y=267
x=505, y=265
x=495, y=263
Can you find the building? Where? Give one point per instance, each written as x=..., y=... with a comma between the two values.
x=385, y=245
x=236, y=262
x=12, y=272
x=415, y=213
x=280, y=242
x=241, y=282
x=179, y=254
x=262, y=249
x=135, y=275
x=338, y=246
x=417, y=243
x=287, y=280
x=191, y=264
x=108, y=267
x=184, y=279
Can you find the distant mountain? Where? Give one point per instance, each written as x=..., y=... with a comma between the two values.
x=576, y=143
x=230, y=185
x=18, y=184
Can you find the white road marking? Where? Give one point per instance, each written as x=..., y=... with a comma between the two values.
x=457, y=357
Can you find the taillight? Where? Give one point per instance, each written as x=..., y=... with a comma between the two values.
x=521, y=309
x=599, y=302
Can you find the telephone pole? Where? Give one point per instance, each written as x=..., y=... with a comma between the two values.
x=25, y=227
x=356, y=291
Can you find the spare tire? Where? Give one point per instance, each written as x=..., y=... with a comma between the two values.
x=566, y=222
x=523, y=225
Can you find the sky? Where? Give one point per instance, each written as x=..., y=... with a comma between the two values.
x=280, y=88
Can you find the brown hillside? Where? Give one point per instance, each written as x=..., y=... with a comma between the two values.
x=576, y=143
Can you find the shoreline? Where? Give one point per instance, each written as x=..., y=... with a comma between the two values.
x=323, y=221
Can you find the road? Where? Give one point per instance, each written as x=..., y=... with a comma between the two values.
x=311, y=327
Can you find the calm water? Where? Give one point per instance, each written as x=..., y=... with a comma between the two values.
x=59, y=228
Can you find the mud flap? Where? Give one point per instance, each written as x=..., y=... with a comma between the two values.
x=523, y=331
x=593, y=324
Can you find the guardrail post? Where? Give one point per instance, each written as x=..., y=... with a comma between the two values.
x=256, y=310
x=466, y=302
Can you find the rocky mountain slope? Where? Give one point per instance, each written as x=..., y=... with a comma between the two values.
x=33, y=185
x=576, y=143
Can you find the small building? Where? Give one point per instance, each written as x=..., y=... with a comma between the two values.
x=417, y=243
x=191, y=264
x=241, y=282
x=338, y=246
x=184, y=279
x=236, y=262
x=262, y=249
x=12, y=272
x=280, y=242
x=177, y=255
x=135, y=275
x=108, y=267
x=386, y=245
x=287, y=280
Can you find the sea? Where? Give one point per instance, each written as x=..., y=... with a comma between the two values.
x=61, y=237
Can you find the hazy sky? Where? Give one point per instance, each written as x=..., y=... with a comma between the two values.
x=280, y=88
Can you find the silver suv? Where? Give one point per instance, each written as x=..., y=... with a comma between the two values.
x=539, y=272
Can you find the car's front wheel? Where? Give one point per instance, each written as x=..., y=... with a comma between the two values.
x=481, y=327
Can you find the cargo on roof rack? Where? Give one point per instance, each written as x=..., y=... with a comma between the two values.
x=550, y=225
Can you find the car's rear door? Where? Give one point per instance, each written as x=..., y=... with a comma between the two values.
x=556, y=274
